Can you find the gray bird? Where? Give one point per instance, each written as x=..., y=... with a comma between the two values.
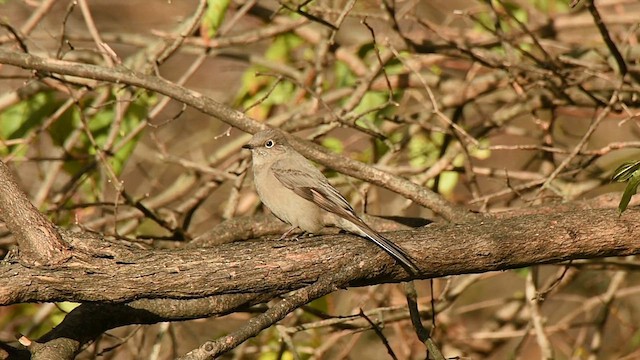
x=299, y=194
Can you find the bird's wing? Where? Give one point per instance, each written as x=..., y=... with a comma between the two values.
x=308, y=182
x=311, y=184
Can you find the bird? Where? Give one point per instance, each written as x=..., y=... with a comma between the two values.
x=299, y=194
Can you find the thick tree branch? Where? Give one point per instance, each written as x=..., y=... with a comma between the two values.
x=530, y=97
x=489, y=245
x=38, y=240
x=404, y=187
x=88, y=321
x=282, y=266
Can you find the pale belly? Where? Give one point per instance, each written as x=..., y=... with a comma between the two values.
x=287, y=205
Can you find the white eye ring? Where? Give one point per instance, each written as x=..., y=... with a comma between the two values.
x=269, y=144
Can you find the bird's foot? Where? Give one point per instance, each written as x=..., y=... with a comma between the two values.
x=288, y=232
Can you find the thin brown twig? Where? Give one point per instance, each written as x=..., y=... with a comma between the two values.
x=434, y=102
x=379, y=334
x=189, y=26
x=585, y=138
x=36, y=17
x=607, y=300
x=18, y=38
x=321, y=287
x=604, y=32
x=95, y=34
x=537, y=318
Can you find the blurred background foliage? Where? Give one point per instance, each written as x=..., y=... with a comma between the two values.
x=481, y=101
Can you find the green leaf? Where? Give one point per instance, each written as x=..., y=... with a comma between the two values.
x=281, y=93
x=518, y=12
x=213, y=18
x=484, y=23
x=448, y=182
x=136, y=113
x=423, y=149
x=67, y=306
x=629, y=191
x=24, y=117
x=395, y=66
x=628, y=171
x=525, y=46
x=625, y=171
x=334, y=144
x=260, y=90
x=370, y=101
x=344, y=77
x=67, y=123
x=100, y=126
x=282, y=46
x=552, y=6
x=482, y=151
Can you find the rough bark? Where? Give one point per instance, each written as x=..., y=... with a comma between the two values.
x=38, y=240
x=117, y=274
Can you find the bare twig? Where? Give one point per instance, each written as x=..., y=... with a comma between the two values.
x=604, y=32
x=321, y=287
x=350, y=167
x=587, y=135
x=536, y=316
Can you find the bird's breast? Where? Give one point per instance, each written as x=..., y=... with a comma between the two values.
x=286, y=204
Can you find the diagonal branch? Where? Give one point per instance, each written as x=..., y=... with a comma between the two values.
x=402, y=186
x=38, y=239
x=326, y=284
x=604, y=32
x=88, y=321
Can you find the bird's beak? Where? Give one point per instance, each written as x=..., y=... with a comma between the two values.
x=247, y=146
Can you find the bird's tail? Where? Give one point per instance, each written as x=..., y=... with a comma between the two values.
x=392, y=249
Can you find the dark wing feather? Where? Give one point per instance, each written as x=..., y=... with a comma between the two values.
x=308, y=182
x=313, y=186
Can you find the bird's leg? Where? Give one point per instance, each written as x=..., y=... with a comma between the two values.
x=288, y=232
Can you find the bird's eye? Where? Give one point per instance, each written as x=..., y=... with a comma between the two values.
x=269, y=144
